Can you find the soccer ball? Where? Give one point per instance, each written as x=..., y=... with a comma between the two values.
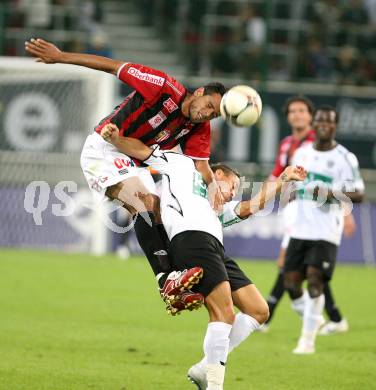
x=241, y=106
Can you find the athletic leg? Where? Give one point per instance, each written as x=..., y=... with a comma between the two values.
x=145, y=208
x=293, y=281
x=254, y=312
x=276, y=294
x=330, y=306
x=312, y=317
x=336, y=323
x=217, y=337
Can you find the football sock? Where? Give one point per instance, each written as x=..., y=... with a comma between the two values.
x=215, y=376
x=299, y=304
x=242, y=327
x=163, y=235
x=312, y=317
x=216, y=347
x=152, y=244
x=275, y=295
x=216, y=342
x=330, y=306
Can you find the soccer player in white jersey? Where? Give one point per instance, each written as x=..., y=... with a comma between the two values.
x=196, y=238
x=298, y=111
x=332, y=175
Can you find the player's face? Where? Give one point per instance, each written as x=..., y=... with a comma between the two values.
x=325, y=125
x=298, y=116
x=228, y=184
x=204, y=107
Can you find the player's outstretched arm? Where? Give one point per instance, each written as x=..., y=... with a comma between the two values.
x=48, y=53
x=269, y=190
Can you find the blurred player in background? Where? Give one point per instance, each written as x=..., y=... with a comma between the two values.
x=196, y=238
x=160, y=111
x=298, y=111
x=317, y=212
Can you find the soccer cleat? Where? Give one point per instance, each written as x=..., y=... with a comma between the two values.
x=331, y=327
x=187, y=300
x=197, y=375
x=179, y=281
x=304, y=347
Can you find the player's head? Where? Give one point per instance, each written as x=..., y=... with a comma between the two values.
x=325, y=120
x=204, y=102
x=228, y=180
x=298, y=111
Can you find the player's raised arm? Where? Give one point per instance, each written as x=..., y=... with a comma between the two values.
x=269, y=190
x=48, y=53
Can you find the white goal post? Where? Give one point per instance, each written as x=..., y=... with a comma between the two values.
x=46, y=113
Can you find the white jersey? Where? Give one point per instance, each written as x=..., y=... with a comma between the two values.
x=315, y=219
x=184, y=200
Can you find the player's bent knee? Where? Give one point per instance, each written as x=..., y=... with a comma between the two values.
x=291, y=287
x=261, y=313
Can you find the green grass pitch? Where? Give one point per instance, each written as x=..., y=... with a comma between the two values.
x=80, y=322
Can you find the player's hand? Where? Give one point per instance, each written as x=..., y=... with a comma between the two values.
x=110, y=133
x=292, y=173
x=44, y=51
x=215, y=197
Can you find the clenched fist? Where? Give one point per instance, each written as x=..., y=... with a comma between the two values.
x=292, y=173
x=110, y=133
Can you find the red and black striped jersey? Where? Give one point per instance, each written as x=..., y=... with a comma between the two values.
x=286, y=150
x=152, y=113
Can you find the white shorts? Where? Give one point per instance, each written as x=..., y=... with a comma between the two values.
x=103, y=166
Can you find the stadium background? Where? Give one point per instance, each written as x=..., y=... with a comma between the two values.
x=278, y=47
x=69, y=320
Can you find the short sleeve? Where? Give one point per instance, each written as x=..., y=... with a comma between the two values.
x=146, y=81
x=351, y=172
x=229, y=216
x=197, y=143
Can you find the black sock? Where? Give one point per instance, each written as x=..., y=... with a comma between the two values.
x=152, y=244
x=330, y=306
x=275, y=295
x=163, y=234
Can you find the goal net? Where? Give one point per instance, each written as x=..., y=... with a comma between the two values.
x=46, y=113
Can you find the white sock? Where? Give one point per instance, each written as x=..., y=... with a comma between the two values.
x=299, y=304
x=242, y=327
x=312, y=317
x=215, y=376
x=216, y=342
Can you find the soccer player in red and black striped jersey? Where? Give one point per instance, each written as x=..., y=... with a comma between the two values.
x=159, y=111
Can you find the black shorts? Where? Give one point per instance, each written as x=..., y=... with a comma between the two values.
x=319, y=254
x=200, y=249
